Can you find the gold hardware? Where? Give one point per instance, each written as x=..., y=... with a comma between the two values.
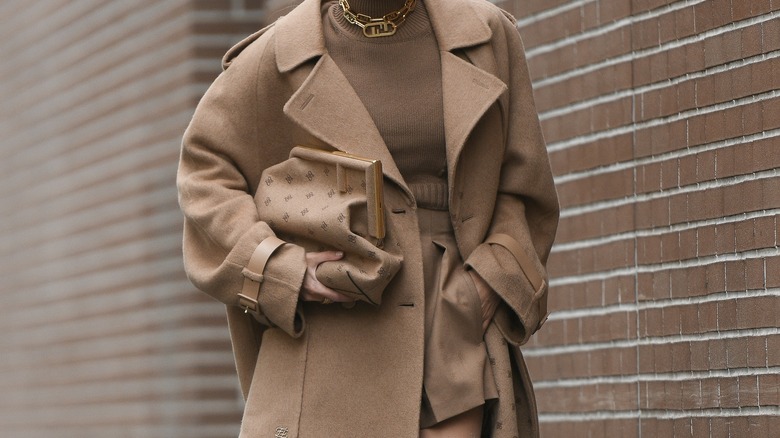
x=378, y=27
x=248, y=303
x=374, y=184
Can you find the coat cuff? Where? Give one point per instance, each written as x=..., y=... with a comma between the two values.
x=519, y=317
x=276, y=301
x=280, y=289
x=509, y=325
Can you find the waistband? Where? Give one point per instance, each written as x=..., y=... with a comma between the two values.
x=430, y=195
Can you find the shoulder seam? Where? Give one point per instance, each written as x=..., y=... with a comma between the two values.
x=242, y=45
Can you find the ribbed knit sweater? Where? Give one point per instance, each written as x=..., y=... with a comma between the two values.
x=398, y=79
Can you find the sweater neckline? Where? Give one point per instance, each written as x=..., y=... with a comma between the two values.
x=416, y=24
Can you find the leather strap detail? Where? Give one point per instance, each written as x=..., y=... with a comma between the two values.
x=528, y=268
x=250, y=292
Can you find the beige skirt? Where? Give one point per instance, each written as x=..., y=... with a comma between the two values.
x=457, y=374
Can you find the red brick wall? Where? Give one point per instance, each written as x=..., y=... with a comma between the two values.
x=662, y=120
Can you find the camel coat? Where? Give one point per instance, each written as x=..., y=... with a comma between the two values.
x=331, y=371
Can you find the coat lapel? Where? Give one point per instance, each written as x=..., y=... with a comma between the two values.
x=468, y=92
x=327, y=106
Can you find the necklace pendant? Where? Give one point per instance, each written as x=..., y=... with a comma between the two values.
x=377, y=29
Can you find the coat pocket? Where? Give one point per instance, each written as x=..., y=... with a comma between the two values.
x=455, y=356
x=458, y=303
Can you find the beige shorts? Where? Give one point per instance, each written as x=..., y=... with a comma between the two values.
x=457, y=375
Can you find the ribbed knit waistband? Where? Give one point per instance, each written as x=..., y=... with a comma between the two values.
x=430, y=195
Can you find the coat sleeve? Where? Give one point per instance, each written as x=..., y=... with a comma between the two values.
x=221, y=225
x=526, y=206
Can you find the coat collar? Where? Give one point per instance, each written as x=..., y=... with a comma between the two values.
x=327, y=106
x=299, y=34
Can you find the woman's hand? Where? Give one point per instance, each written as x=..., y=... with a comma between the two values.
x=489, y=299
x=312, y=289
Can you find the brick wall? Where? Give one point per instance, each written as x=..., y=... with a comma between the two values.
x=102, y=335
x=662, y=120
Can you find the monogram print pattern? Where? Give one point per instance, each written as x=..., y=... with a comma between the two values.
x=289, y=196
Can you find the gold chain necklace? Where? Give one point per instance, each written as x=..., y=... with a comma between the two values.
x=378, y=27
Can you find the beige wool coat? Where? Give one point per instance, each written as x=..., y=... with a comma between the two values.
x=330, y=371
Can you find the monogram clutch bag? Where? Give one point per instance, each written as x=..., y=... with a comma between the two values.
x=331, y=200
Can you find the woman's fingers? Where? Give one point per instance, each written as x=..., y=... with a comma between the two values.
x=489, y=309
x=312, y=289
x=313, y=259
x=324, y=296
x=487, y=297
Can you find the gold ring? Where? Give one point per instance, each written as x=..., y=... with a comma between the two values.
x=326, y=301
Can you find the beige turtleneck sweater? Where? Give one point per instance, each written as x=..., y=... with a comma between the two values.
x=398, y=79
